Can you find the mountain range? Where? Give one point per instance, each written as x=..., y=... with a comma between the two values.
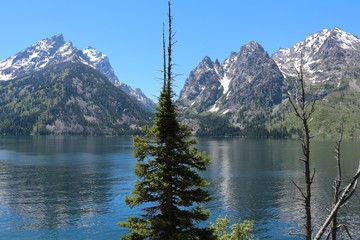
x=54, y=50
x=326, y=57
x=68, y=98
x=248, y=92
x=53, y=88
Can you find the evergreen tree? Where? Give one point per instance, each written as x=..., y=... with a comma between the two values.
x=170, y=190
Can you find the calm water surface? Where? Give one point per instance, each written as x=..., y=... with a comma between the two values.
x=74, y=187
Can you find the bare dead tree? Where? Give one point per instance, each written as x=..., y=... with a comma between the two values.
x=304, y=110
x=341, y=196
x=338, y=179
x=346, y=193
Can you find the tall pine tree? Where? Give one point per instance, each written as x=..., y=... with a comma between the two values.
x=170, y=190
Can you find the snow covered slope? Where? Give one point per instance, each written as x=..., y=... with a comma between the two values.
x=54, y=50
x=325, y=57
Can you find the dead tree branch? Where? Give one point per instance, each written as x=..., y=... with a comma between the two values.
x=303, y=112
x=345, y=195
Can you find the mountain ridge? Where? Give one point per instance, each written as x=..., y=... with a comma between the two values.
x=54, y=50
x=247, y=93
x=331, y=48
x=249, y=89
x=217, y=85
x=68, y=98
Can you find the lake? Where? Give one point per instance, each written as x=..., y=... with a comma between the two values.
x=67, y=187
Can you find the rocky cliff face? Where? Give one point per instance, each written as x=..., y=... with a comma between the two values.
x=203, y=86
x=254, y=79
x=249, y=77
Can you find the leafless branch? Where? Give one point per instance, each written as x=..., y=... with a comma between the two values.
x=347, y=231
x=300, y=190
x=348, y=191
x=313, y=175
x=303, y=113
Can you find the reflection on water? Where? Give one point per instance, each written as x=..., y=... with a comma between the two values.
x=74, y=187
x=253, y=179
x=65, y=186
x=52, y=145
x=53, y=196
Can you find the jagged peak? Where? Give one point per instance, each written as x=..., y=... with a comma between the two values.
x=51, y=44
x=347, y=38
x=93, y=54
x=338, y=30
x=326, y=33
x=53, y=50
x=90, y=48
x=335, y=31
x=93, y=50
x=206, y=59
x=58, y=37
x=232, y=55
x=54, y=40
x=254, y=43
x=313, y=42
x=207, y=62
x=253, y=46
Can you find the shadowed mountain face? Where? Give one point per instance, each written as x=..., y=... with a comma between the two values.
x=68, y=98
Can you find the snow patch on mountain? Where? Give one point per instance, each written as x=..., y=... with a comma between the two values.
x=225, y=83
x=214, y=108
x=93, y=55
x=223, y=88
x=56, y=50
x=321, y=56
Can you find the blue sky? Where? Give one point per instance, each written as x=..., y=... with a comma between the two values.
x=130, y=32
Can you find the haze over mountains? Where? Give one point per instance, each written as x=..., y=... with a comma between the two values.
x=246, y=94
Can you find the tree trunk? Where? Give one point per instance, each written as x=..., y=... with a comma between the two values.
x=308, y=178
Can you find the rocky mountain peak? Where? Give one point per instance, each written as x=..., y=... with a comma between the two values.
x=321, y=56
x=206, y=63
x=54, y=50
x=58, y=38
x=100, y=62
x=253, y=73
x=93, y=55
x=53, y=42
x=217, y=62
x=250, y=86
x=252, y=46
x=248, y=56
x=345, y=40
x=226, y=87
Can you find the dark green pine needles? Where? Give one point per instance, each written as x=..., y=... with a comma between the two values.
x=169, y=190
